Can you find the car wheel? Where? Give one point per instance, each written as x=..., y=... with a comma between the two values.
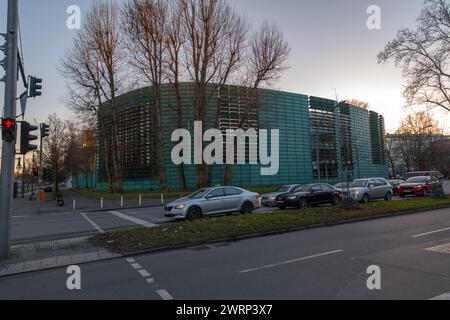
x=425, y=192
x=388, y=196
x=365, y=198
x=247, y=208
x=194, y=213
x=302, y=203
x=335, y=200
x=282, y=207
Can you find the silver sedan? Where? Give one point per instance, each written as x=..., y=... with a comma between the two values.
x=211, y=201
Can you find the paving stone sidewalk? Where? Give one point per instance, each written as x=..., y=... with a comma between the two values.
x=52, y=254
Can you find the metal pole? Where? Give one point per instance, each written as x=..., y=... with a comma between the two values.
x=8, y=150
x=40, y=174
x=317, y=155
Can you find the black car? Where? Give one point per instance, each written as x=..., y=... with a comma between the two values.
x=310, y=194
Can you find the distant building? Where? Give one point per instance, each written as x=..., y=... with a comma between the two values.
x=319, y=139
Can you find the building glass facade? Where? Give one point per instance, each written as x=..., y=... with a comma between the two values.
x=319, y=138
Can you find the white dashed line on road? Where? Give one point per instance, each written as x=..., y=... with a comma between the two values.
x=136, y=266
x=133, y=219
x=93, y=224
x=144, y=273
x=431, y=232
x=290, y=261
x=164, y=294
x=148, y=278
x=442, y=297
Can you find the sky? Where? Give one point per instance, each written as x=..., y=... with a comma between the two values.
x=333, y=51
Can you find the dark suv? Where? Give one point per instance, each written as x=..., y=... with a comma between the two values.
x=310, y=194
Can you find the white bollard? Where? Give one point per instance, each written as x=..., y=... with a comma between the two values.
x=101, y=203
x=140, y=200
x=74, y=205
x=121, y=201
x=162, y=198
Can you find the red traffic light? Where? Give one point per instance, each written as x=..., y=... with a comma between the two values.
x=8, y=123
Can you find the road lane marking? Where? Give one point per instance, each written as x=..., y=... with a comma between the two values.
x=291, y=261
x=442, y=297
x=93, y=224
x=148, y=278
x=136, y=266
x=133, y=219
x=431, y=232
x=164, y=294
x=144, y=273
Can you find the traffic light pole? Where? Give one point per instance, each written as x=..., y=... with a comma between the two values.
x=8, y=150
x=40, y=174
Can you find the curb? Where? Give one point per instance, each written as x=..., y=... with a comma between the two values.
x=282, y=231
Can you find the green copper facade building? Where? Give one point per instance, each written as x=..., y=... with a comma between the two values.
x=319, y=138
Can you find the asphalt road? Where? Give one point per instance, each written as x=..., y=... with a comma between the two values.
x=324, y=263
x=52, y=226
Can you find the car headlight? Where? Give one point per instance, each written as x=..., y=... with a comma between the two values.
x=292, y=198
x=180, y=207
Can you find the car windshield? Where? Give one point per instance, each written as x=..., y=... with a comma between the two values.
x=284, y=189
x=304, y=188
x=417, y=180
x=199, y=194
x=360, y=183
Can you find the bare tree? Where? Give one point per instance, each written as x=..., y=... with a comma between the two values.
x=55, y=149
x=103, y=37
x=214, y=34
x=424, y=56
x=358, y=103
x=145, y=23
x=80, y=68
x=175, y=39
x=266, y=61
x=415, y=137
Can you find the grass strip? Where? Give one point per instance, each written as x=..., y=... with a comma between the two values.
x=223, y=227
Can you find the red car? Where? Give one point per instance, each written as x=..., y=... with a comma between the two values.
x=418, y=186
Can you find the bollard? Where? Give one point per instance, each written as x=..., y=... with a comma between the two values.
x=74, y=205
x=101, y=203
x=121, y=201
x=162, y=198
x=140, y=200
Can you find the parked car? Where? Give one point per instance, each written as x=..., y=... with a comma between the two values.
x=365, y=190
x=395, y=186
x=270, y=199
x=433, y=174
x=310, y=194
x=418, y=186
x=211, y=201
x=344, y=186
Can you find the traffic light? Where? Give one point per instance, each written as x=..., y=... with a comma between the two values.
x=44, y=130
x=35, y=87
x=8, y=129
x=45, y=174
x=26, y=137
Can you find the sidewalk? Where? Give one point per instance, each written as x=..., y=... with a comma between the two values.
x=82, y=203
x=52, y=254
